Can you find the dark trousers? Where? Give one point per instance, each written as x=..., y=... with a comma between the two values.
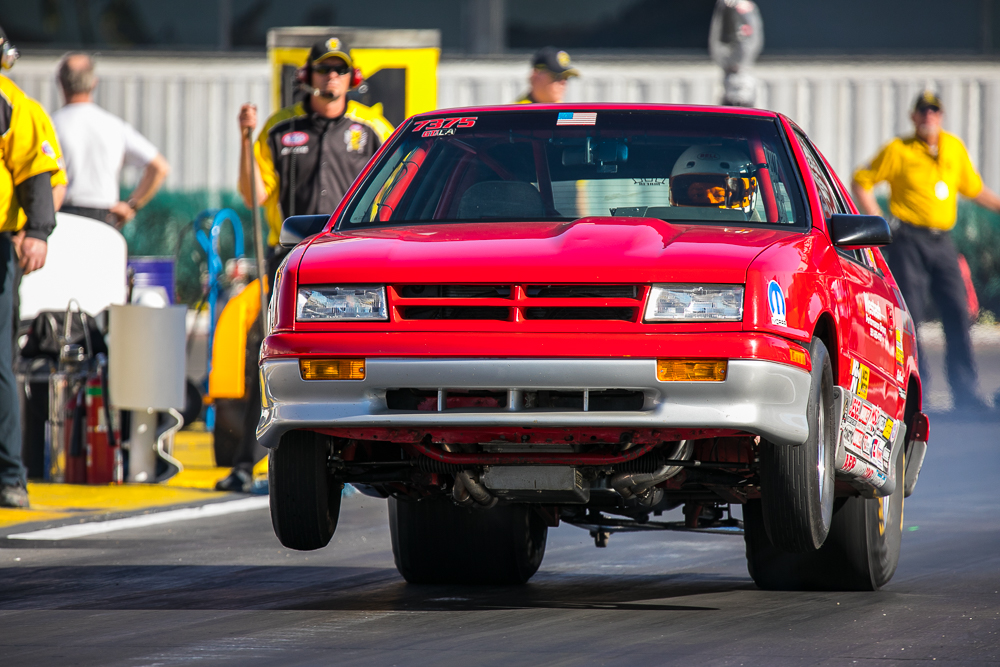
x=249, y=452
x=923, y=261
x=11, y=469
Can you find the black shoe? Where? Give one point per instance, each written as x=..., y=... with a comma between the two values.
x=238, y=481
x=13, y=495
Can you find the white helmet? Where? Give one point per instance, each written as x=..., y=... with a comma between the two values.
x=713, y=176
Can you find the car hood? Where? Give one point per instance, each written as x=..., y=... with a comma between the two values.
x=614, y=250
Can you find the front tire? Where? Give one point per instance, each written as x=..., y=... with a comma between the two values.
x=305, y=504
x=436, y=542
x=860, y=553
x=797, y=482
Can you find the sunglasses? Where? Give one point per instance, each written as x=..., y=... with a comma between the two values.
x=339, y=70
x=929, y=109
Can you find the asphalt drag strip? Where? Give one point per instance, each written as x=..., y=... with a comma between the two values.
x=221, y=590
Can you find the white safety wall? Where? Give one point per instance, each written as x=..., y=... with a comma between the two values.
x=187, y=106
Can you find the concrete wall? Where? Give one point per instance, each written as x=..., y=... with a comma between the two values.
x=188, y=106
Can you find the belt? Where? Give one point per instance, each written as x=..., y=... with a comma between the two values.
x=926, y=230
x=102, y=214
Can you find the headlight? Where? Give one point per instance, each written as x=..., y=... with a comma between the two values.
x=332, y=304
x=695, y=303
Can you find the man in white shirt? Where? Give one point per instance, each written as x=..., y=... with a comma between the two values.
x=96, y=145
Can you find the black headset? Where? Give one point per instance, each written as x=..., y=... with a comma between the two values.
x=8, y=52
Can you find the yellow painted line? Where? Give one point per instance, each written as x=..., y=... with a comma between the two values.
x=194, y=449
x=198, y=478
x=59, y=501
x=195, y=483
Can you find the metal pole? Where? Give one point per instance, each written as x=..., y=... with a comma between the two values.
x=258, y=238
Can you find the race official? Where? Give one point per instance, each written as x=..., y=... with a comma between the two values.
x=926, y=172
x=304, y=160
x=29, y=163
x=551, y=69
x=96, y=145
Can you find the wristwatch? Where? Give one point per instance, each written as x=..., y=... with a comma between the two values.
x=133, y=203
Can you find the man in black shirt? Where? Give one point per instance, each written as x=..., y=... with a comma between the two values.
x=305, y=159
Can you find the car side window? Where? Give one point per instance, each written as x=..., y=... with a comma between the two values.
x=831, y=199
x=827, y=198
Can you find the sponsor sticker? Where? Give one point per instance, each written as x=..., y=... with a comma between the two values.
x=776, y=304
x=860, y=375
x=850, y=461
x=435, y=126
x=294, y=139
x=576, y=118
x=355, y=138
x=889, y=430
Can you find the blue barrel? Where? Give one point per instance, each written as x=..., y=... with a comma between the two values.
x=154, y=272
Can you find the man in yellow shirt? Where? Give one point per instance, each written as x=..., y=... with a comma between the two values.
x=926, y=172
x=29, y=155
x=551, y=69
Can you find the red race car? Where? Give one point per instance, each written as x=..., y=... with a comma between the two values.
x=595, y=314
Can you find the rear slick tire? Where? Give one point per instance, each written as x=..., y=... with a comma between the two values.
x=305, y=503
x=797, y=482
x=436, y=542
x=860, y=553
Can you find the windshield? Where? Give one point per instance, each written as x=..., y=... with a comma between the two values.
x=525, y=165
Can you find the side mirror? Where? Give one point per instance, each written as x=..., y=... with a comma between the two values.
x=859, y=231
x=299, y=227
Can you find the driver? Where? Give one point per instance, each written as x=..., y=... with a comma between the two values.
x=713, y=176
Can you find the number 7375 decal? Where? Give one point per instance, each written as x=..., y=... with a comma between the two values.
x=442, y=126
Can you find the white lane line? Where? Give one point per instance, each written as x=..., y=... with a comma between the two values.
x=155, y=519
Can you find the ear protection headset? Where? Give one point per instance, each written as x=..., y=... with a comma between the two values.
x=8, y=52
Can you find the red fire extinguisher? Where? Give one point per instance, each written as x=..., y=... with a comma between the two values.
x=104, y=460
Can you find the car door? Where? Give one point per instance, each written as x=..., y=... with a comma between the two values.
x=871, y=338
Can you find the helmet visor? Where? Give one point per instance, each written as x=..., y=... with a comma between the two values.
x=712, y=190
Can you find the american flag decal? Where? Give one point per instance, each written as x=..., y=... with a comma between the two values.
x=573, y=118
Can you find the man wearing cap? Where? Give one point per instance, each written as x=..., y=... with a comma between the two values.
x=550, y=70
x=926, y=172
x=29, y=166
x=305, y=159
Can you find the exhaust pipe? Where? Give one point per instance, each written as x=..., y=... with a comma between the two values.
x=642, y=485
x=470, y=493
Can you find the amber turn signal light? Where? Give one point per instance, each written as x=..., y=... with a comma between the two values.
x=332, y=369
x=691, y=370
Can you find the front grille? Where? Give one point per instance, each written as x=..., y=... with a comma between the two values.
x=573, y=313
x=455, y=313
x=591, y=400
x=517, y=303
x=454, y=291
x=582, y=291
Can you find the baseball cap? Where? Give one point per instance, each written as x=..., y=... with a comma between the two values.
x=555, y=62
x=927, y=99
x=334, y=47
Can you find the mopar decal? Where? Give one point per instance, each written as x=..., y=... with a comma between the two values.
x=776, y=304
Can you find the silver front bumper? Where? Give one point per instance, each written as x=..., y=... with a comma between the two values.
x=760, y=397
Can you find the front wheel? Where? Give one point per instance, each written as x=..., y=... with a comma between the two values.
x=797, y=482
x=860, y=553
x=436, y=542
x=305, y=503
